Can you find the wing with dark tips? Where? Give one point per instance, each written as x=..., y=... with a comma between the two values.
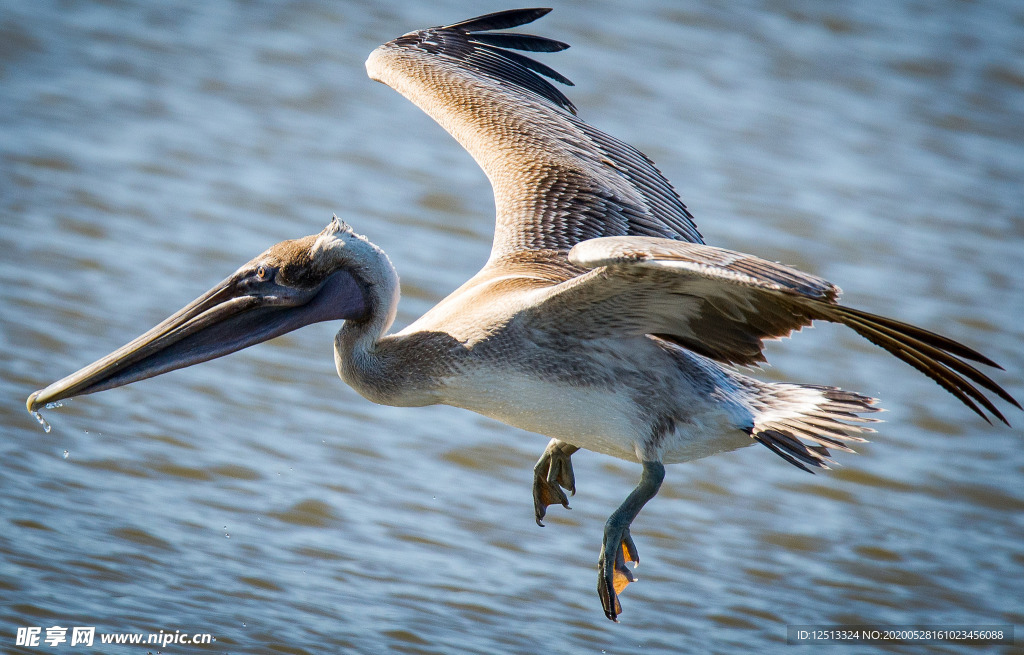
x=724, y=304
x=557, y=180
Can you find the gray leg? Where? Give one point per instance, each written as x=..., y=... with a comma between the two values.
x=553, y=473
x=617, y=547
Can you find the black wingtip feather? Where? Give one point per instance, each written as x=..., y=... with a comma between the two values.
x=473, y=42
x=514, y=41
x=933, y=355
x=926, y=336
x=499, y=20
x=533, y=65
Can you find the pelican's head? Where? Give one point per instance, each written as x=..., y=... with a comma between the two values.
x=323, y=277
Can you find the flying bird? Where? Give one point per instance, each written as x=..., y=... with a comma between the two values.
x=600, y=320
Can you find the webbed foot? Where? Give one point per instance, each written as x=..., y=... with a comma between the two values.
x=612, y=572
x=552, y=473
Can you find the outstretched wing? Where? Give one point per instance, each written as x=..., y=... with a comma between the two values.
x=557, y=181
x=722, y=304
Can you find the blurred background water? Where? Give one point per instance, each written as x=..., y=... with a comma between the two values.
x=149, y=148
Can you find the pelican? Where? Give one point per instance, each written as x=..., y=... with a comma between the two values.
x=600, y=320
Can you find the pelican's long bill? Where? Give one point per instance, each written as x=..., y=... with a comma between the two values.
x=258, y=302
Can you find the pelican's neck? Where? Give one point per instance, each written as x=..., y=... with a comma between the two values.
x=361, y=336
x=357, y=354
x=379, y=281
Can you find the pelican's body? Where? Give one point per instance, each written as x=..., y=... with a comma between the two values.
x=491, y=356
x=599, y=403
x=600, y=320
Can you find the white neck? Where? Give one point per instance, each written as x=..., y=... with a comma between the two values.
x=356, y=353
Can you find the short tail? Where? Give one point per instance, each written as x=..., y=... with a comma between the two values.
x=799, y=423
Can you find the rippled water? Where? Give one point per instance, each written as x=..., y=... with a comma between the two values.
x=147, y=149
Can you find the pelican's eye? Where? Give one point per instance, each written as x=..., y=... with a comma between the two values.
x=261, y=273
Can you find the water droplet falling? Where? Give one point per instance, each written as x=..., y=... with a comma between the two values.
x=42, y=421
